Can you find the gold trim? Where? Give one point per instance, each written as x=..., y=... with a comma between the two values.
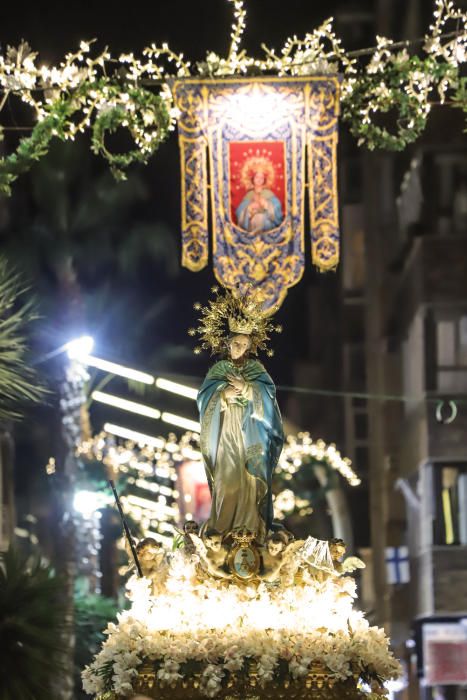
x=206, y=429
x=231, y=562
x=258, y=408
x=318, y=684
x=259, y=79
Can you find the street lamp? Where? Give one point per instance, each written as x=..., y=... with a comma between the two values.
x=79, y=347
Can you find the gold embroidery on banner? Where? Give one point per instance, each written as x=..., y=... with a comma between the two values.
x=194, y=179
x=306, y=121
x=195, y=251
x=322, y=115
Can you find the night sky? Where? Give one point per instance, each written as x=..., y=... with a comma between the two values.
x=53, y=28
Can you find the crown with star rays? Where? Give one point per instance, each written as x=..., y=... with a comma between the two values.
x=233, y=313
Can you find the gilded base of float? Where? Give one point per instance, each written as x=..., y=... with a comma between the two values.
x=317, y=684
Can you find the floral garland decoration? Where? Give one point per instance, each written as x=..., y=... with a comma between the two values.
x=103, y=93
x=75, y=96
x=147, y=120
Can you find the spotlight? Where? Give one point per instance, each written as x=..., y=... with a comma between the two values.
x=87, y=502
x=80, y=347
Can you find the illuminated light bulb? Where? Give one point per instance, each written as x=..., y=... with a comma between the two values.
x=181, y=422
x=125, y=404
x=139, y=438
x=115, y=368
x=87, y=502
x=79, y=347
x=176, y=388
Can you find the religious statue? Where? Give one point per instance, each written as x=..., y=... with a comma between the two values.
x=280, y=560
x=190, y=527
x=337, y=550
x=211, y=551
x=153, y=561
x=241, y=427
x=260, y=209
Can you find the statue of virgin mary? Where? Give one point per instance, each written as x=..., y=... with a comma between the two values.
x=241, y=427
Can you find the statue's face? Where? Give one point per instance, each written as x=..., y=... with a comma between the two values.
x=214, y=542
x=259, y=179
x=275, y=548
x=190, y=527
x=150, y=553
x=238, y=346
x=337, y=551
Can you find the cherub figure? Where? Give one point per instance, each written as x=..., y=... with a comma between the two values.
x=152, y=558
x=337, y=550
x=212, y=552
x=272, y=557
x=216, y=551
x=190, y=528
x=279, y=558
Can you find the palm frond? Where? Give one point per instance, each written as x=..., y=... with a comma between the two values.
x=18, y=382
x=31, y=622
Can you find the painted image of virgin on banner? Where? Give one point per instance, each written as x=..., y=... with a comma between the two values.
x=256, y=187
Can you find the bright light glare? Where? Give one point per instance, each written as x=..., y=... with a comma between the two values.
x=128, y=434
x=176, y=388
x=181, y=422
x=126, y=405
x=87, y=502
x=120, y=370
x=255, y=109
x=79, y=348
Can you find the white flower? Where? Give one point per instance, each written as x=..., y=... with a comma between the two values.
x=222, y=625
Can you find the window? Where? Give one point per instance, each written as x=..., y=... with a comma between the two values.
x=451, y=354
x=361, y=426
x=450, y=516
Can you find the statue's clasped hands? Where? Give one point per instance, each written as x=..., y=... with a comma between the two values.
x=236, y=386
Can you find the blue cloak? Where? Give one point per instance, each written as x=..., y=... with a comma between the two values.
x=261, y=427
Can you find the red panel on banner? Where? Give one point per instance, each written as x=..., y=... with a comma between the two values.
x=264, y=160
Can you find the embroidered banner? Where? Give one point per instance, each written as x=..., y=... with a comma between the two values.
x=262, y=137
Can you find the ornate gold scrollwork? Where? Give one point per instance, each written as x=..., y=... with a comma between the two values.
x=318, y=684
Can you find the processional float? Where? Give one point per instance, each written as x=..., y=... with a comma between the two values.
x=241, y=608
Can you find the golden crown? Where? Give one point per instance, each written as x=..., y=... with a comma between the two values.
x=243, y=537
x=241, y=325
x=233, y=313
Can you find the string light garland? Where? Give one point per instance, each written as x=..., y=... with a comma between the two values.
x=103, y=93
x=294, y=492
x=146, y=476
x=302, y=449
x=301, y=453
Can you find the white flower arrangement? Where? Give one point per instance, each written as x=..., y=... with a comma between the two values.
x=223, y=628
